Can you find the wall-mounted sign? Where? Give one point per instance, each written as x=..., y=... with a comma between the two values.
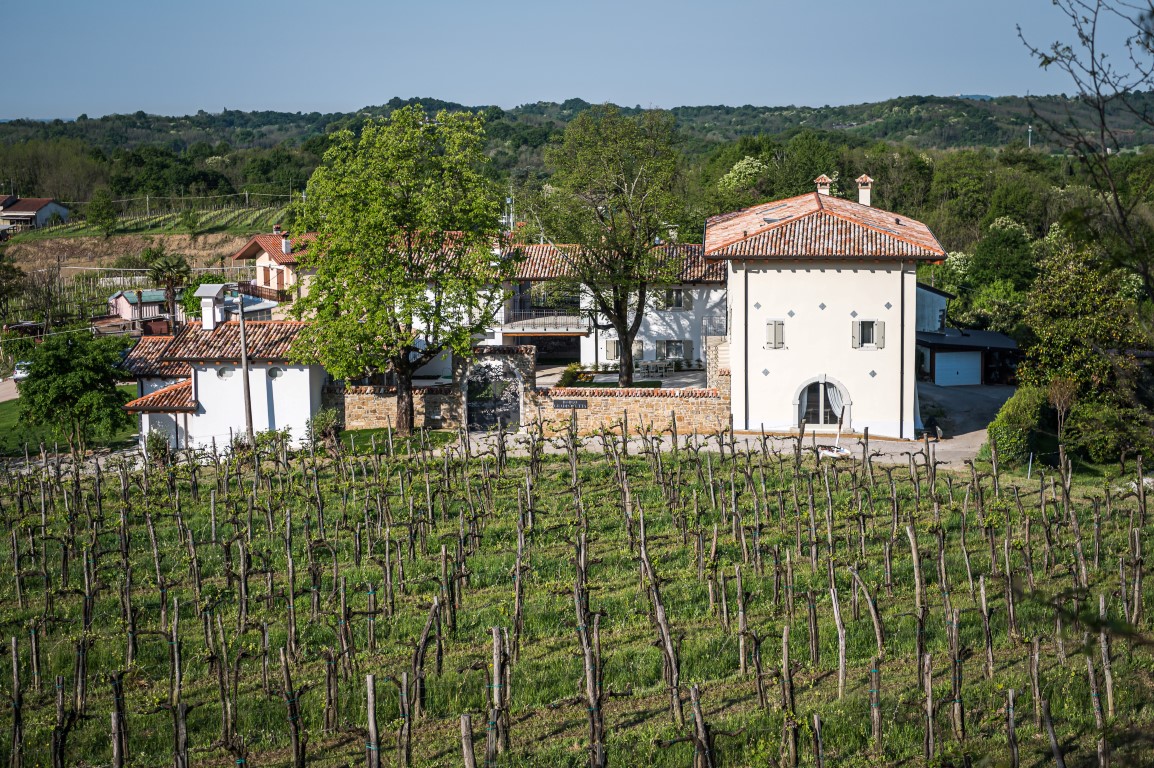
x=576, y=405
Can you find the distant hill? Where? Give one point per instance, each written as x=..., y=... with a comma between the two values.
x=920, y=121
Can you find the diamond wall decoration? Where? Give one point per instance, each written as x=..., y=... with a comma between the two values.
x=764, y=371
x=757, y=305
x=889, y=306
x=853, y=314
x=791, y=313
x=821, y=306
x=873, y=374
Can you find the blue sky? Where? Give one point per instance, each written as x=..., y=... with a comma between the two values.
x=164, y=57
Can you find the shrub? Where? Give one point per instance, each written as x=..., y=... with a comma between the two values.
x=324, y=428
x=1016, y=426
x=1102, y=432
x=156, y=447
x=570, y=376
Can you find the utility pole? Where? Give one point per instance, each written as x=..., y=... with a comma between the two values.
x=1030, y=136
x=244, y=367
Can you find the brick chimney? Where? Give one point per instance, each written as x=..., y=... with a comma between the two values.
x=864, y=184
x=823, y=183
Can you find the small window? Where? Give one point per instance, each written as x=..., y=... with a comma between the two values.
x=226, y=372
x=674, y=299
x=612, y=349
x=675, y=349
x=869, y=334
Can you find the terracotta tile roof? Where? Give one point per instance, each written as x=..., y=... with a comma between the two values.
x=268, y=341
x=28, y=204
x=549, y=262
x=175, y=398
x=818, y=226
x=270, y=243
x=146, y=359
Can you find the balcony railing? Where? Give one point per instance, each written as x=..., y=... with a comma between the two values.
x=714, y=325
x=546, y=321
x=263, y=292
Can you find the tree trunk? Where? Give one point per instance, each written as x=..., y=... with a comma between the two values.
x=404, y=401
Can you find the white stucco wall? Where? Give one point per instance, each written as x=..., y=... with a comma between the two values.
x=818, y=343
x=663, y=324
x=288, y=400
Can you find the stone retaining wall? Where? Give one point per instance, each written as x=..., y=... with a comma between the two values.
x=376, y=407
x=443, y=407
x=697, y=410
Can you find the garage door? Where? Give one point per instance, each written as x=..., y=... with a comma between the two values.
x=953, y=369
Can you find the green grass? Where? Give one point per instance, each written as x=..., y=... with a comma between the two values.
x=14, y=434
x=549, y=727
x=362, y=441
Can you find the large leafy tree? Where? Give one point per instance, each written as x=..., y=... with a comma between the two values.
x=71, y=388
x=1082, y=317
x=406, y=224
x=612, y=195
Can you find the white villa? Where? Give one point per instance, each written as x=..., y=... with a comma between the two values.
x=822, y=302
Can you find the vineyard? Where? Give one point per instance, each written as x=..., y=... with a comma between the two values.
x=234, y=220
x=571, y=602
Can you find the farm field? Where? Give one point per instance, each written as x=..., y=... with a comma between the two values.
x=704, y=606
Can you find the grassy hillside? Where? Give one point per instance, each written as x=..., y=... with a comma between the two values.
x=375, y=540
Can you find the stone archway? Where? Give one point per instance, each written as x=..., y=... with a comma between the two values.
x=493, y=392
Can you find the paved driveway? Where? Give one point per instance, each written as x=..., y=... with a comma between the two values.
x=8, y=390
x=963, y=413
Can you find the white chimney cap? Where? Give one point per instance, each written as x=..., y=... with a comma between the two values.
x=210, y=291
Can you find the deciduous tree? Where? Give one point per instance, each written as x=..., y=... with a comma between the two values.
x=406, y=224
x=612, y=195
x=72, y=388
x=101, y=211
x=1084, y=323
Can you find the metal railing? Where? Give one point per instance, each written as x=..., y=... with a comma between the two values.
x=548, y=319
x=714, y=325
x=262, y=292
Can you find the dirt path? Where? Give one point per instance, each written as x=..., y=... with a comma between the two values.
x=8, y=390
